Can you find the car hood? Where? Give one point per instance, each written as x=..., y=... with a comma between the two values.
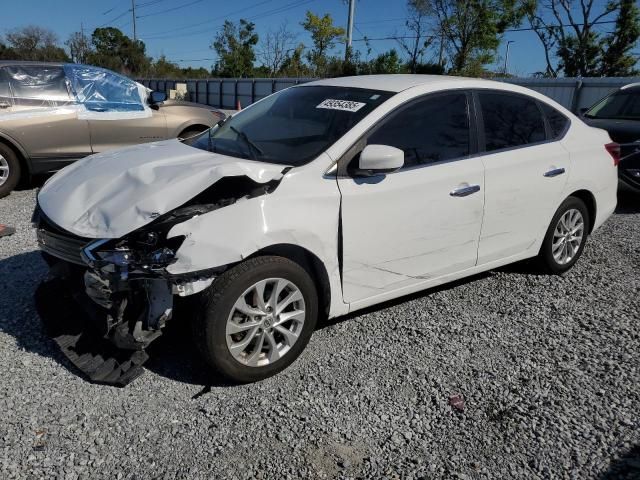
x=114, y=193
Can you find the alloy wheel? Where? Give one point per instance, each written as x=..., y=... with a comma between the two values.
x=567, y=236
x=4, y=170
x=265, y=322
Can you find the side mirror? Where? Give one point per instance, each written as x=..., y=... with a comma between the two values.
x=157, y=97
x=379, y=159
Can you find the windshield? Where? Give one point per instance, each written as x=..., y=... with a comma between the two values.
x=621, y=105
x=291, y=127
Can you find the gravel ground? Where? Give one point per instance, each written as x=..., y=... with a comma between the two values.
x=548, y=368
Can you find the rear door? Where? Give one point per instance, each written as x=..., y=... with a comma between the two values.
x=422, y=222
x=117, y=114
x=526, y=170
x=43, y=116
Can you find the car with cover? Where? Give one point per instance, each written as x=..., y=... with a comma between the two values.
x=317, y=201
x=52, y=114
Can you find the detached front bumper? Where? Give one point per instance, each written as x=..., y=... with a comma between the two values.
x=104, y=313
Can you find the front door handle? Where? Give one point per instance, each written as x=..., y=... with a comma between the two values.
x=554, y=172
x=464, y=191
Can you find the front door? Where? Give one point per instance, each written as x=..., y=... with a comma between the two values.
x=421, y=222
x=115, y=108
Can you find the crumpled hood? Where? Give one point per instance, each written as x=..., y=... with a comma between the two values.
x=114, y=193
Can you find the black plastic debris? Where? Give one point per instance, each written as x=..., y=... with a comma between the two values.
x=89, y=351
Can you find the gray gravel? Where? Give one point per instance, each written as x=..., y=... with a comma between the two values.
x=548, y=367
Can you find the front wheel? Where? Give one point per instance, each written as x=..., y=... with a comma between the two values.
x=566, y=236
x=257, y=318
x=9, y=170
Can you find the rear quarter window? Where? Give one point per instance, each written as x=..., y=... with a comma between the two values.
x=558, y=123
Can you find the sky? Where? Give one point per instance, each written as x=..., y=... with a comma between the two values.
x=183, y=30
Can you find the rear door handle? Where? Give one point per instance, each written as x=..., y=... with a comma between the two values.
x=464, y=191
x=554, y=172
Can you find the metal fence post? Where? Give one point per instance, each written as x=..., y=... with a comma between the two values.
x=253, y=90
x=575, y=101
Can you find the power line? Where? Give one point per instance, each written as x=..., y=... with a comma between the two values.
x=184, y=27
x=265, y=14
x=172, y=9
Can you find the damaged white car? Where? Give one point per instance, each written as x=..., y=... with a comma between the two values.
x=319, y=200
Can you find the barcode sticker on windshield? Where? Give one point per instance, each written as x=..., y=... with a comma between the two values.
x=346, y=105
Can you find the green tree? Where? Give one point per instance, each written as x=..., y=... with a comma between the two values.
x=387, y=62
x=293, y=65
x=617, y=59
x=235, y=49
x=324, y=36
x=34, y=43
x=569, y=34
x=470, y=29
x=116, y=51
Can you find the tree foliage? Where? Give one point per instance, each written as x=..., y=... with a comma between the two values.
x=114, y=50
x=471, y=30
x=32, y=43
x=235, y=48
x=575, y=46
x=324, y=35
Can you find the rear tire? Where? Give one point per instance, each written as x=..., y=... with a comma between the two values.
x=566, y=237
x=9, y=170
x=253, y=346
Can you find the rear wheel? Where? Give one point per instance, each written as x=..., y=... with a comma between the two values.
x=566, y=236
x=9, y=170
x=257, y=318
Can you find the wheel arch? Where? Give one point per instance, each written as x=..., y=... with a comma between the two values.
x=311, y=263
x=590, y=201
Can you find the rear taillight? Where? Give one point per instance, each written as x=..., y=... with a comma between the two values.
x=614, y=150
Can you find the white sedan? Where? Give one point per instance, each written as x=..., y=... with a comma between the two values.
x=317, y=201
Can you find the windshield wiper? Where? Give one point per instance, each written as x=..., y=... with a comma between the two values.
x=248, y=141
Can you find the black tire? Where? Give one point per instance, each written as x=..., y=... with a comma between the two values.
x=192, y=132
x=218, y=300
x=545, y=258
x=14, y=170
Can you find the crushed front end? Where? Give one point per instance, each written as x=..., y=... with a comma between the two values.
x=105, y=301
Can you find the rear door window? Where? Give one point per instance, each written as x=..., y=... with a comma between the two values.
x=431, y=130
x=44, y=83
x=510, y=120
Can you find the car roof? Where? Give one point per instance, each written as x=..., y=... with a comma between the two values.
x=400, y=82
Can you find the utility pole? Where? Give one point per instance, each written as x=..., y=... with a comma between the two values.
x=352, y=11
x=133, y=16
x=506, y=57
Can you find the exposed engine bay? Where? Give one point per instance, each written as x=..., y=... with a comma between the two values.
x=106, y=300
